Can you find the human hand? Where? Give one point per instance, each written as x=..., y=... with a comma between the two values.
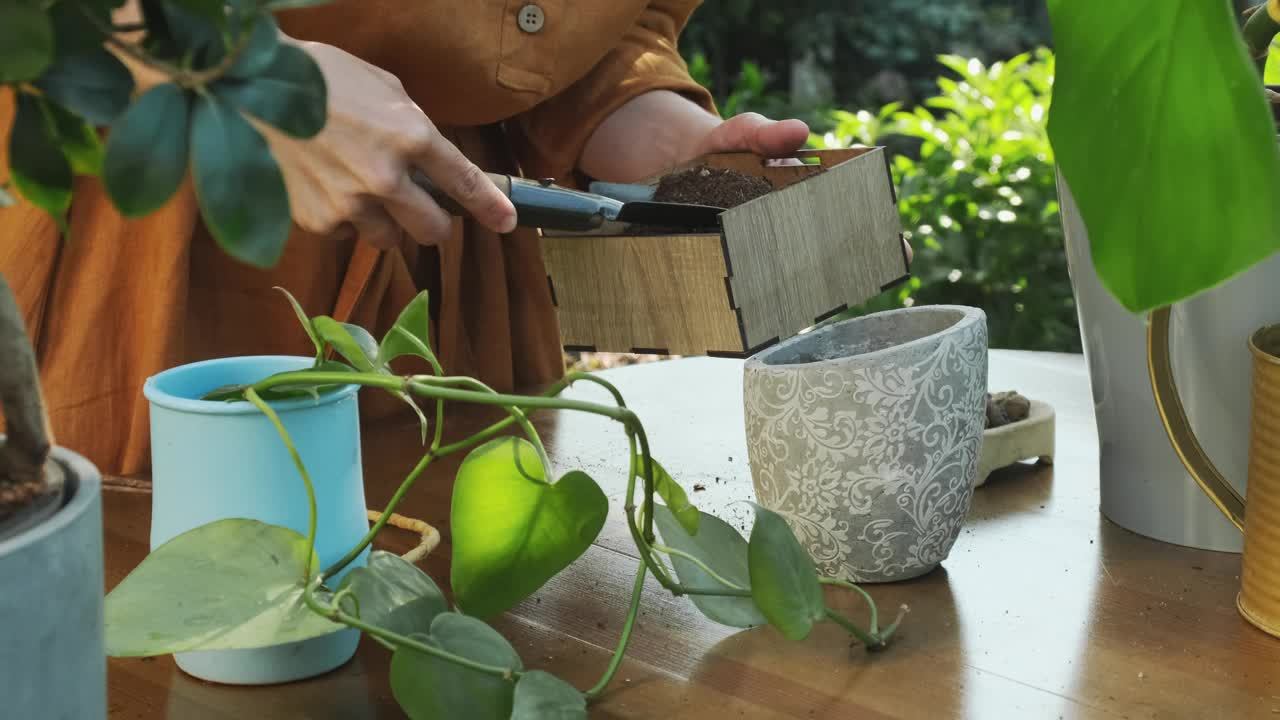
x=754, y=133
x=355, y=174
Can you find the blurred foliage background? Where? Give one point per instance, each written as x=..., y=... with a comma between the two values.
x=959, y=92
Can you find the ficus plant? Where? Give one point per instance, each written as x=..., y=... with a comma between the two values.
x=513, y=528
x=221, y=63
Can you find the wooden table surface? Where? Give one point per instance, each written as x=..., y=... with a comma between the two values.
x=1043, y=610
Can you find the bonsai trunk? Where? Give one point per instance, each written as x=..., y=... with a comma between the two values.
x=23, y=456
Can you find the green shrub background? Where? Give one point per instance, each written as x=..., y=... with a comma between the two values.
x=969, y=152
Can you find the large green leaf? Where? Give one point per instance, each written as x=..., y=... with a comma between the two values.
x=26, y=41
x=289, y=93
x=674, y=496
x=238, y=184
x=146, y=156
x=93, y=84
x=1159, y=125
x=784, y=582
x=512, y=531
x=543, y=696
x=39, y=169
x=395, y=595
x=410, y=335
x=429, y=688
x=79, y=140
x=230, y=584
x=723, y=550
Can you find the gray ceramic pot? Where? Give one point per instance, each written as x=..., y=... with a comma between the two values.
x=865, y=436
x=52, y=661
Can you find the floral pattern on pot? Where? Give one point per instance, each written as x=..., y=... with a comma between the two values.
x=865, y=436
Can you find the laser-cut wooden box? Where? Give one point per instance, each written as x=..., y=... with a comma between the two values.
x=827, y=238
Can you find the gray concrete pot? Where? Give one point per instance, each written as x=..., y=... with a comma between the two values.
x=865, y=435
x=52, y=662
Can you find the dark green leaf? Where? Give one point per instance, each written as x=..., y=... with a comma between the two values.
x=1162, y=131
x=37, y=166
x=93, y=84
x=395, y=595
x=723, y=550
x=195, y=33
x=73, y=30
x=238, y=184
x=26, y=41
x=146, y=156
x=674, y=496
x=264, y=41
x=80, y=142
x=352, y=342
x=305, y=321
x=784, y=582
x=289, y=94
x=212, y=9
x=230, y=584
x=411, y=333
x=429, y=688
x=512, y=531
x=543, y=696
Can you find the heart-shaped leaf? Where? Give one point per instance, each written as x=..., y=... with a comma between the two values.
x=26, y=41
x=1162, y=132
x=289, y=93
x=723, y=550
x=94, y=84
x=233, y=162
x=79, y=140
x=784, y=582
x=411, y=333
x=40, y=171
x=395, y=595
x=429, y=688
x=677, y=501
x=231, y=584
x=146, y=156
x=512, y=531
x=543, y=696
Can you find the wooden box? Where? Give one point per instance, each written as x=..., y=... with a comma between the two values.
x=827, y=238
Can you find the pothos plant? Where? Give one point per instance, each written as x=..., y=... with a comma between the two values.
x=1161, y=125
x=513, y=528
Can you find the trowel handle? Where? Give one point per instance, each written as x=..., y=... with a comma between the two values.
x=539, y=204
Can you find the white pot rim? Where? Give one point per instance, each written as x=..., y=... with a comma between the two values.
x=966, y=317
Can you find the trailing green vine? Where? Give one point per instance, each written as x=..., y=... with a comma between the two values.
x=464, y=665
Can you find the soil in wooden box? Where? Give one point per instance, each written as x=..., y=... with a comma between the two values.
x=715, y=187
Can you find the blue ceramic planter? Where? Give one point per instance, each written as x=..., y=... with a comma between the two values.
x=216, y=460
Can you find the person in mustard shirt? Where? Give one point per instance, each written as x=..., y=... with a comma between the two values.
x=564, y=89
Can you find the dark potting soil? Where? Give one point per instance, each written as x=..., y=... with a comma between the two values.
x=1006, y=408
x=717, y=187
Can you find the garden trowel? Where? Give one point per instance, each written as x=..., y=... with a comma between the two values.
x=542, y=204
